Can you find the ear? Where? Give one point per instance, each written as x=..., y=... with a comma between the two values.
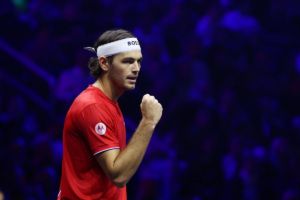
x=103, y=62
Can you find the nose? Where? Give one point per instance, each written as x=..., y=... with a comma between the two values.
x=136, y=66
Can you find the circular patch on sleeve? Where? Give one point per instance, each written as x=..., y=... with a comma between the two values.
x=100, y=128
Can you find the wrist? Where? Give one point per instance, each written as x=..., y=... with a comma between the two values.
x=148, y=122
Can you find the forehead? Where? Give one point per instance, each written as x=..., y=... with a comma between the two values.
x=129, y=54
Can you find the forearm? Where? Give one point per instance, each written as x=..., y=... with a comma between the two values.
x=121, y=165
x=129, y=159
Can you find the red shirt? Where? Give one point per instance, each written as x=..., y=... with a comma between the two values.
x=94, y=124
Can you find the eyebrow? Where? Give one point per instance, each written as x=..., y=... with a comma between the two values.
x=132, y=58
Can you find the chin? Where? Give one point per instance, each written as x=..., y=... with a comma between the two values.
x=130, y=87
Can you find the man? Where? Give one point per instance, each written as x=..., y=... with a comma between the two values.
x=96, y=163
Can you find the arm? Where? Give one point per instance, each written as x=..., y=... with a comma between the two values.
x=121, y=165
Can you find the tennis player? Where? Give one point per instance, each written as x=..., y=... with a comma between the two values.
x=97, y=163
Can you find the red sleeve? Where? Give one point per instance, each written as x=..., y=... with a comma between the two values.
x=97, y=127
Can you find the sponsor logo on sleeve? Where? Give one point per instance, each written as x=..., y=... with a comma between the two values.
x=100, y=128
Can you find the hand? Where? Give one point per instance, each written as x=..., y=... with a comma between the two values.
x=151, y=109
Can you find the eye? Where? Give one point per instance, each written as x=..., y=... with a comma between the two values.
x=128, y=61
x=140, y=61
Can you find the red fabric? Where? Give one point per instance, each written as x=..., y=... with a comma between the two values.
x=93, y=124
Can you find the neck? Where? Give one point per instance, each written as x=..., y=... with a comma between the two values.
x=107, y=88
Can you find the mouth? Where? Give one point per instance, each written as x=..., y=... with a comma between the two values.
x=132, y=78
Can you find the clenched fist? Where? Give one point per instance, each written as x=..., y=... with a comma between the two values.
x=151, y=109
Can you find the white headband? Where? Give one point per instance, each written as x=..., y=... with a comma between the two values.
x=128, y=44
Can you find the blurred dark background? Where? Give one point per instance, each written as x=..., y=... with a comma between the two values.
x=226, y=71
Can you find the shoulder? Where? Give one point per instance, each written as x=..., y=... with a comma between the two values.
x=90, y=104
x=86, y=99
x=90, y=114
